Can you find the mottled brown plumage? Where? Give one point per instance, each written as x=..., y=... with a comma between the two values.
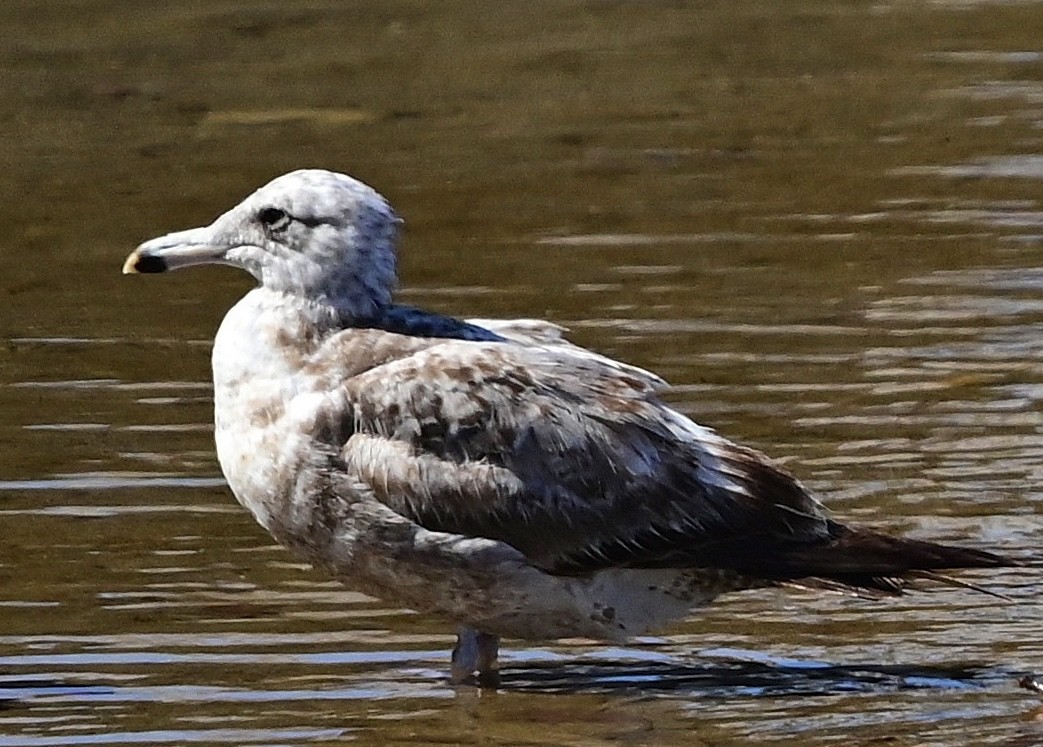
x=487, y=471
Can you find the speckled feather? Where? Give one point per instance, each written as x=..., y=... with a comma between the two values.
x=489, y=471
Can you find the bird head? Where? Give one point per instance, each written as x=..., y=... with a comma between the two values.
x=310, y=233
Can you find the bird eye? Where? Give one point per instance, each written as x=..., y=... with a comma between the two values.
x=273, y=217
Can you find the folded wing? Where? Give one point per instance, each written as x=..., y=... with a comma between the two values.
x=573, y=459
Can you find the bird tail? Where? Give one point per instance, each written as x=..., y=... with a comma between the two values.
x=867, y=562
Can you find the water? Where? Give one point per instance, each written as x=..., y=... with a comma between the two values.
x=821, y=221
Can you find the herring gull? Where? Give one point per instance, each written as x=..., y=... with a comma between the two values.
x=486, y=471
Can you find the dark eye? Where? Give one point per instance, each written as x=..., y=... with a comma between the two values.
x=273, y=217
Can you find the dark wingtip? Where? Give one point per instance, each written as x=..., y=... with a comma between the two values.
x=862, y=559
x=918, y=555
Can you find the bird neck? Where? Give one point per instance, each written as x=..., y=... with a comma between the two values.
x=269, y=334
x=360, y=287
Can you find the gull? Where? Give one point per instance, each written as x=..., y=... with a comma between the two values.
x=486, y=471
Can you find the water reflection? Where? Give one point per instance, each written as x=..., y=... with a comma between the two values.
x=821, y=223
x=1028, y=166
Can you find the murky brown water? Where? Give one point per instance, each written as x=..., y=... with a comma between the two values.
x=822, y=221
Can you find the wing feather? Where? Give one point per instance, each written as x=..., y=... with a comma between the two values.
x=569, y=457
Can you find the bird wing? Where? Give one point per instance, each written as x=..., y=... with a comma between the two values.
x=569, y=457
x=550, y=335
x=527, y=331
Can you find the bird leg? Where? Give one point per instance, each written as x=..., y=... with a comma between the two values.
x=475, y=658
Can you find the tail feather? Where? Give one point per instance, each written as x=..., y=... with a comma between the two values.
x=864, y=560
x=812, y=583
x=957, y=583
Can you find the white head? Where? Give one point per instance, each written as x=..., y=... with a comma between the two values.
x=316, y=234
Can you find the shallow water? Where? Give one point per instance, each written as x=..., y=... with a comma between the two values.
x=821, y=221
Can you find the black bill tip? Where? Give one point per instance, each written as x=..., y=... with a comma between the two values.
x=144, y=263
